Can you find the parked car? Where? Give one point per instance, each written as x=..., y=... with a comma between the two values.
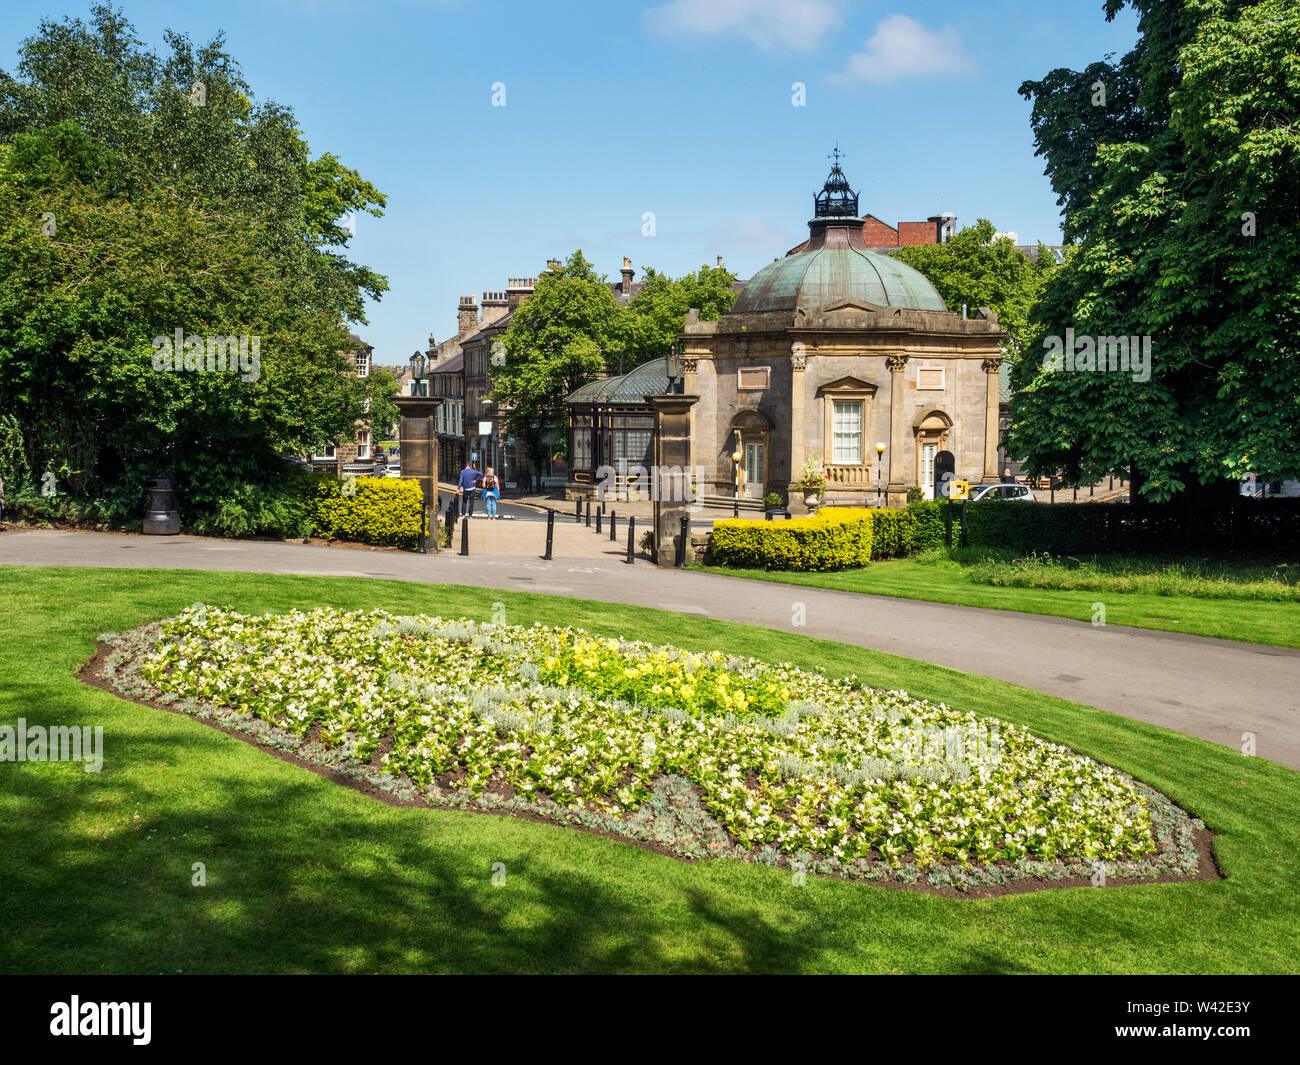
x=1021, y=493
x=393, y=470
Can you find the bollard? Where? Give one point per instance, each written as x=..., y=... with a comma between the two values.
x=599, y=510
x=613, y=523
x=631, y=535
x=588, y=514
x=577, y=511
x=464, y=535
x=550, y=532
x=680, y=560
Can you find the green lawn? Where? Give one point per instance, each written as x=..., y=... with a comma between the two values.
x=1230, y=619
x=307, y=876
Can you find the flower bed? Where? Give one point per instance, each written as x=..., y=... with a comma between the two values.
x=698, y=753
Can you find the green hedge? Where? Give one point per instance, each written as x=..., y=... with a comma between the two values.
x=384, y=510
x=893, y=533
x=834, y=538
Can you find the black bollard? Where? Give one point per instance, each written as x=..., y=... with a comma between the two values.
x=464, y=535
x=577, y=511
x=599, y=511
x=680, y=560
x=588, y=522
x=613, y=523
x=550, y=532
x=631, y=534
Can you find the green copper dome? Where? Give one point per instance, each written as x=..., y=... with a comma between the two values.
x=836, y=265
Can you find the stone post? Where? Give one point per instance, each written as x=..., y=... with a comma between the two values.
x=672, y=473
x=419, y=444
x=896, y=490
x=991, y=471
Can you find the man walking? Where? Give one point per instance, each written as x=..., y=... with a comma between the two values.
x=465, y=488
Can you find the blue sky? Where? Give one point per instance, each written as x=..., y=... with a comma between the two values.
x=613, y=109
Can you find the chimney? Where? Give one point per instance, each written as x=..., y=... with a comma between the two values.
x=945, y=226
x=626, y=287
x=519, y=289
x=553, y=266
x=719, y=262
x=495, y=304
x=466, y=316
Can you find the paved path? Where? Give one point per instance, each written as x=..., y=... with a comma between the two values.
x=1214, y=689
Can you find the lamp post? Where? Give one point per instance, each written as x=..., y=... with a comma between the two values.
x=419, y=364
x=735, y=508
x=672, y=368
x=880, y=489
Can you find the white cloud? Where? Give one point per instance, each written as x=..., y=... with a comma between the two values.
x=902, y=48
x=796, y=24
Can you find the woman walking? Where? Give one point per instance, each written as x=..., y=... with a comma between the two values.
x=491, y=493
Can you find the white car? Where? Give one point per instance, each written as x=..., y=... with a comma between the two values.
x=1016, y=492
x=393, y=471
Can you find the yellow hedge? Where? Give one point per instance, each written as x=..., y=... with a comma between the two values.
x=384, y=510
x=833, y=538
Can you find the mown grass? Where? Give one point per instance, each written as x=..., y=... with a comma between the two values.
x=307, y=876
x=1251, y=602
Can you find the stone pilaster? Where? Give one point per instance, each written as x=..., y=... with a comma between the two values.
x=897, y=488
x=798, y=384
x=991, y=472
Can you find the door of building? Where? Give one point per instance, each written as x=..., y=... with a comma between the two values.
x=755, y=472
x=927, y=470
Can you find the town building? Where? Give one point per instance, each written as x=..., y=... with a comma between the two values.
x=828, y=353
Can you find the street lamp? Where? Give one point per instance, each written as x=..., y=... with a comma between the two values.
x=418, y=364
x=735, y=509
x=880, y=491
x=672, y=368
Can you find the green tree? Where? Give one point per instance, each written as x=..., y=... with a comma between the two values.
x=130, y=207
x=657, y=313
x=1178, y=170
x=974, y=269
x=566, y=333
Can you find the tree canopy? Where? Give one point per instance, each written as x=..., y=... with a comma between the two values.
x=973, y=268
x=1178, y=171
x=143, y=194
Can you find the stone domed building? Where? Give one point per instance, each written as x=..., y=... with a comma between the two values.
x=827, y=354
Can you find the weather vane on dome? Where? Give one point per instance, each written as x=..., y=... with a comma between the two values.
x=835, y=156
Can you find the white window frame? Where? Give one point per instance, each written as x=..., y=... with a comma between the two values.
x=843, y=456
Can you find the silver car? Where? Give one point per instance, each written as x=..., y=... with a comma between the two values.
x=1016, y=492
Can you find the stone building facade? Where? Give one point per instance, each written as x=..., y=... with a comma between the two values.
x=839, y=356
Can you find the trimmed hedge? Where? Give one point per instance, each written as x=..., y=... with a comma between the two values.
x=384, y=511
x=893, y=533
x=1250, y=525
x=832, y=539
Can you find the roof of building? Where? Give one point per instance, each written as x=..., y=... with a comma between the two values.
x=648, y=379
x=836, y=264
x=453, y=365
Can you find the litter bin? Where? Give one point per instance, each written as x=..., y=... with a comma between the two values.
x=161, y=517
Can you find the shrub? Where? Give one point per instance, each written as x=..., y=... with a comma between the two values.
x=281, y=510
x=832, y=539
x=893, y=533
x=383, y=511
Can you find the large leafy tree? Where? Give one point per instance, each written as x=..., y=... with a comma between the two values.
x=567, y=332
x=1178, y=171
x=139, y=195
x=657, y=313
x=976, y=270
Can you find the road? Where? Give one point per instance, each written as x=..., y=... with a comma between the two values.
x=1215, y=689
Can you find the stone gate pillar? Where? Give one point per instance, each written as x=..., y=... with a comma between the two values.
x=672, y=479
x=419, y=450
